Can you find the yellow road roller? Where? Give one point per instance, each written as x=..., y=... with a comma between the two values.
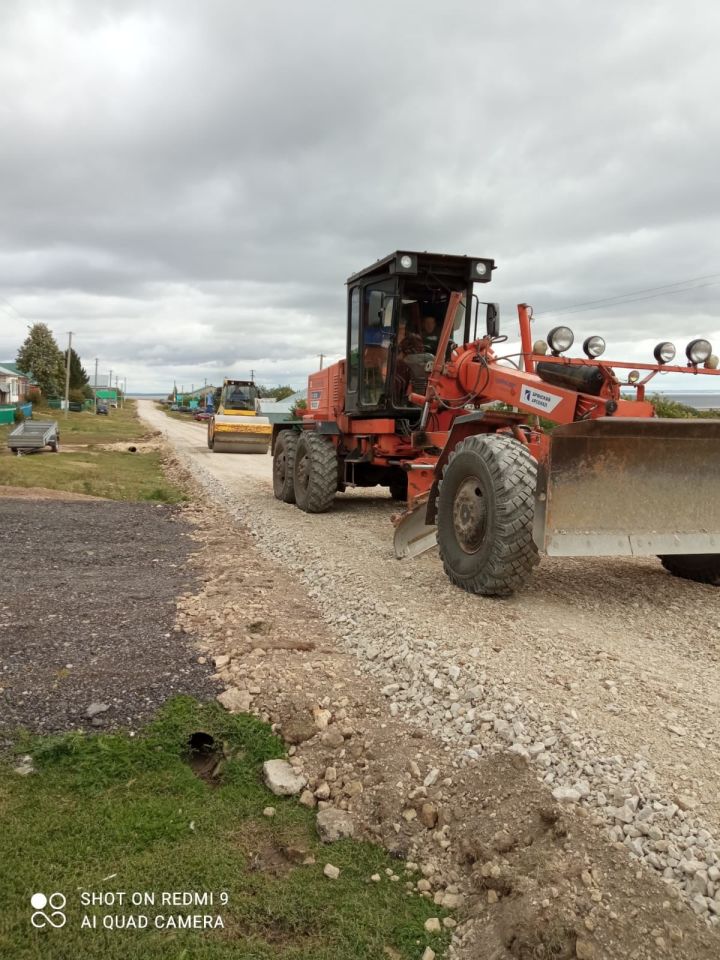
x=236, y=427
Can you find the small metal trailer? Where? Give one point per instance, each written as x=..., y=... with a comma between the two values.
x=33, y=435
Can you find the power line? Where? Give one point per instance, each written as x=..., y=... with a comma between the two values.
x=652, y=296
x=632, y=295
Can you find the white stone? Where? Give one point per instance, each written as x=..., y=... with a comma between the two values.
x=235, y=700
x=431, y=778
x=566, y=794
x=281, y=779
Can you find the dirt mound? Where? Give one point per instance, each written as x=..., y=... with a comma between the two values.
x=521, y=875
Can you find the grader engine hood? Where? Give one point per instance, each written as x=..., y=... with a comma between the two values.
x=630, y=487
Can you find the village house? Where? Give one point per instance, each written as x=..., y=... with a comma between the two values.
x=14, y=384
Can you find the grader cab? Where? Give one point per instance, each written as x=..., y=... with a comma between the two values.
x=429, y=406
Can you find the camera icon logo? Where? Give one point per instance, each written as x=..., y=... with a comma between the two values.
x=56, y=904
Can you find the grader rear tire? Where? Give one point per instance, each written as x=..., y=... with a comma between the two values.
x=284, y=466
x=315, y=473
x=486, y=504
x=700, y=567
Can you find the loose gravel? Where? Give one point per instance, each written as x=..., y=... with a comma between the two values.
x=610, y=696
x=87, y=612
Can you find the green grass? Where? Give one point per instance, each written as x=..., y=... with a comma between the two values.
x=88, y=427
x=113, y=474
x=665, y=407
x=132, y=807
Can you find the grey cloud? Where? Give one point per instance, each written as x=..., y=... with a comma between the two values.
x=188, y=185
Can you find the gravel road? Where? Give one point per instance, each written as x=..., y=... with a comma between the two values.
x=604, y=673
x=87, y=613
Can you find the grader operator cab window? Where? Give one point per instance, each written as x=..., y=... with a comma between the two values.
x=378, y=312
x=419, y=331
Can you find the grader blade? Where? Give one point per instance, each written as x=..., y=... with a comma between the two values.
x=412, y=535
x=630, y=487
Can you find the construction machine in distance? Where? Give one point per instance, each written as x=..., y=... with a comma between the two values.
x=235, y=426
x=499, y=458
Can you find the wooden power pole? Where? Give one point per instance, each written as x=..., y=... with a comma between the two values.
x=67, y=375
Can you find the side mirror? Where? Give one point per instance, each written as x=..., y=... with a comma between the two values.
x=492, y=319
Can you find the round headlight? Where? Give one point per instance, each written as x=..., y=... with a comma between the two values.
x=664, y=352
x=697, y=351
x=406, y=262
x=633, y=376
x=540, y=347
x=712, y=362
x=594, y=347
x=481, y=268
x=560, y=339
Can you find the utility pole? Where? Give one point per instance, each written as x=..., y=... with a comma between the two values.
x=322, y=357
x=67, y=375
x=96, y=366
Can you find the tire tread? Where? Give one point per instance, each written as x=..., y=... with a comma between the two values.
x=323, y=482
x=514, y=554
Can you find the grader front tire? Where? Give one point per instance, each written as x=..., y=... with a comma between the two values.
x=315, y=473
x=485, y=512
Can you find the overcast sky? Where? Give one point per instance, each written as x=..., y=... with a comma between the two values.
x=188, y=185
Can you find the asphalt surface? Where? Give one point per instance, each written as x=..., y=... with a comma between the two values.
x=87, y=610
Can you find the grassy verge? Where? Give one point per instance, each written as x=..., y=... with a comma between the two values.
x=117, y=475
x=88, y=428
x=112, y=474
x=114, y=813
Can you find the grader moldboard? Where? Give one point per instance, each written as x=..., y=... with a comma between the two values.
x=426, y=407
x=235, y=427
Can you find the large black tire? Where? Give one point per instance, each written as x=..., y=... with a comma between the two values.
x=284, y=466
x=701, y=567
x=315, y=473
x=486, y=504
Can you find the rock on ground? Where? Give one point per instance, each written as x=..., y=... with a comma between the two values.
x=334, y=825
x=281, y=779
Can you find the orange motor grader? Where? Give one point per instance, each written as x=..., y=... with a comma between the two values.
x=499, y=458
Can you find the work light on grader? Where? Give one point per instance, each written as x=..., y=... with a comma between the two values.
x=429, y=407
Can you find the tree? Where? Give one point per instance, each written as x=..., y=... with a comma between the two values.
x=278, y=393
x=78, y=376
x=41, y=357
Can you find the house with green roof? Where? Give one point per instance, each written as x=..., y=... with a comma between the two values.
x=14, y=383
